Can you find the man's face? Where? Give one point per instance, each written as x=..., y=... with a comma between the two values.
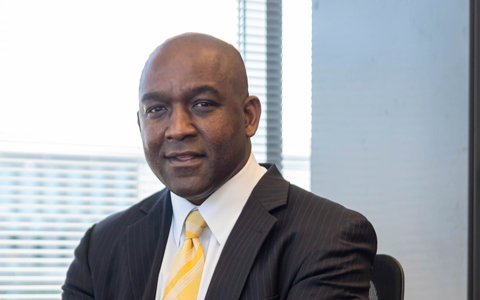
x=192, y=121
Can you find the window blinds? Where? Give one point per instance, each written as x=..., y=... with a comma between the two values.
x=260, y=43
x=47, y=202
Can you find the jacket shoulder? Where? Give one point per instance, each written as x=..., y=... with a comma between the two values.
x=319, y=212
x=118, y=222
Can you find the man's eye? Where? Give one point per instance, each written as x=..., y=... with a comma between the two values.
x=202, y=104
x=155, y=109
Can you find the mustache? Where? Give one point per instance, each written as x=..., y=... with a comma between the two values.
x=174, y=154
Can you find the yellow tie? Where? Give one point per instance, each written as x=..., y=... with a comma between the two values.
x=184, y=278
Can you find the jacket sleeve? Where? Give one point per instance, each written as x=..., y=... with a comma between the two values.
x=341, y=268
x=78, y=284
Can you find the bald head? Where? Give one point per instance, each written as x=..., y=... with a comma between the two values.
x=195, y=115
x=195, y=49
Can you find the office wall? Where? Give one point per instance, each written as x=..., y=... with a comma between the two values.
x=390, y=129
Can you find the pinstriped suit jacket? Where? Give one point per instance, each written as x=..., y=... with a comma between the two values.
x=286, y=244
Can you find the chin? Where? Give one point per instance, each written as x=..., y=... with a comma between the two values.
x=188, y=192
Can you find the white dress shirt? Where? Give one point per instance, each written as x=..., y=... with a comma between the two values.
x=220, y=211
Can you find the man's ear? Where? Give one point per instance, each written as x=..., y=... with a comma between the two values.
x=138, y=121
x=252, y=110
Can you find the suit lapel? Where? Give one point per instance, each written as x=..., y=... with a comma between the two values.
x=247, y=236
x=146, y=242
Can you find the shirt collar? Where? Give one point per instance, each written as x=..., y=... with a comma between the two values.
x=222, y=208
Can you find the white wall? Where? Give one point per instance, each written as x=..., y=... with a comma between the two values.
x=390, y=131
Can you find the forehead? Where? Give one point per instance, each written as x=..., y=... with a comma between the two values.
x=185, y=65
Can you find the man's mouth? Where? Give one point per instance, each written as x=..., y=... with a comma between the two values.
x=183, y=158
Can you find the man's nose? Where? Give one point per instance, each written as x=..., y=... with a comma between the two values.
x=180, y=126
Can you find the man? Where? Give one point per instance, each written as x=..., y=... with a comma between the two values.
x=254, y=235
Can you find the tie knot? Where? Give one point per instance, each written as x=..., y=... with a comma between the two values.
x=194, y=225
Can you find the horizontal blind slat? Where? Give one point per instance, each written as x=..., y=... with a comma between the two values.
x=36, y=251
x=73, y=198
x=61, y=206
x=30, y=287
x=52, y=216
x=28, y=296
x=31, y=278
x=36, y=260
x=60, y=189
x=69, y=162
x=65, y=171
x=67, y=180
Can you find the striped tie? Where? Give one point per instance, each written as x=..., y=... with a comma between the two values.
x=184, y=278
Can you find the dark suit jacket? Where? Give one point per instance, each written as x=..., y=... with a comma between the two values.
x=287, y=244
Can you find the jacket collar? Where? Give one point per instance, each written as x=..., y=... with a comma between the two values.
x=146, y=240
x=272, y=189
x=247, y=236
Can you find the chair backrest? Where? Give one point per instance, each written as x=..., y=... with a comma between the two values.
x=388, y=279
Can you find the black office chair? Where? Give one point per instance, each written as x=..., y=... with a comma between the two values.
x=388, y=280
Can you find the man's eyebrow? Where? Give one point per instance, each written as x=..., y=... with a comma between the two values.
x=204, y=88
x=152, y=96
x=195, y=90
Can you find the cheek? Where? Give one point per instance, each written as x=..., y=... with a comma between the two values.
x=151, y=137
x=228, y=139
x=223, y=133
x=232, y=122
